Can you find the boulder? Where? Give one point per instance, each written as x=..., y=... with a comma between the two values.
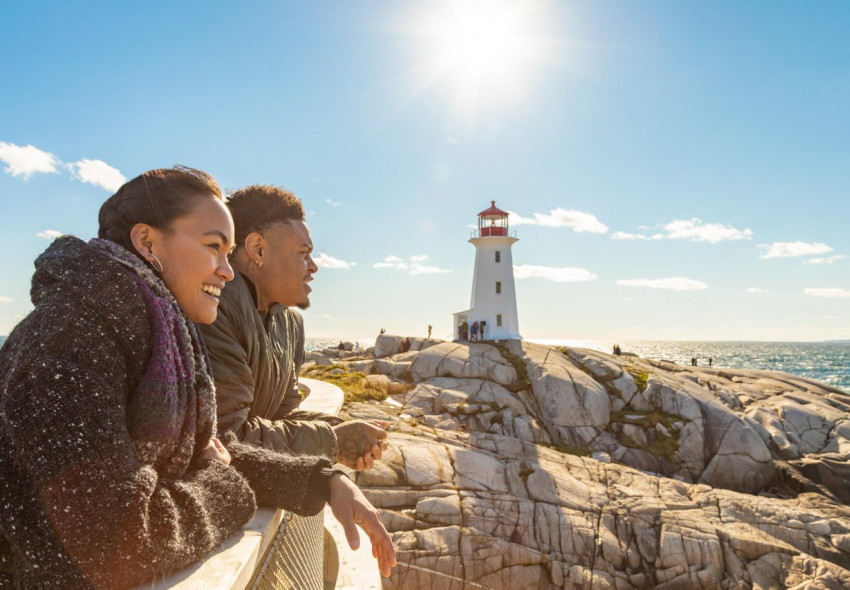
x=386, y=345
x=449, y=359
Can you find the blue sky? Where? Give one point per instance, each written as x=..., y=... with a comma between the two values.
x=676, y=170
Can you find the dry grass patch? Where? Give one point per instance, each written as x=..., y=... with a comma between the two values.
x=353, y=383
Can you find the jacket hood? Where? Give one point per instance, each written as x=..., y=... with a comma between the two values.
x=72, y=266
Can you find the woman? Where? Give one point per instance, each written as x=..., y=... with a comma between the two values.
x=110, y=474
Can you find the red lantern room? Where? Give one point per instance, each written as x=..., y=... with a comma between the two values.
x=492, y=222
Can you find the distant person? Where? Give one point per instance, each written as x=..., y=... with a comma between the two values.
x=460, y=330
x=429, y=331
x=112, y=473
x=339, y=350
x=383, y=332
x=474, y=332
x=465, y=331
x=617, y=351
x=257, y=342
x=693, y=361
x=710, y=361
x=481, y=330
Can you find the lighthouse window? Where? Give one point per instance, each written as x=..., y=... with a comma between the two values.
x=498, y=319
x=498, y=255
x=498, y=287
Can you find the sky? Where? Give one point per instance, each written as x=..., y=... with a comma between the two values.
x=674, y=170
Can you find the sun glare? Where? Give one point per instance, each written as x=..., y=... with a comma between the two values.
x=482, y=42
x=480, y=51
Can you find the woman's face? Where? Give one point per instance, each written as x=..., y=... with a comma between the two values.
x=194, y=253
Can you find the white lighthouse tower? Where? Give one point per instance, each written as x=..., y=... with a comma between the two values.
x=493, y=293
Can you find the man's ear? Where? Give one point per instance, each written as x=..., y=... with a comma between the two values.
x=142, y=236
x=254, y=247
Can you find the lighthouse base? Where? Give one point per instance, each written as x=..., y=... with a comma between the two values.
x=488, y=327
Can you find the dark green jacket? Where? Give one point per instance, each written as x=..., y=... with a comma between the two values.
x=256, y=359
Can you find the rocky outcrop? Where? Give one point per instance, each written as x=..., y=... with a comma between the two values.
x=471, y=510
x=699, y=477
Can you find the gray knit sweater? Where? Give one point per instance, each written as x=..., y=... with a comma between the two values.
x=78, y=508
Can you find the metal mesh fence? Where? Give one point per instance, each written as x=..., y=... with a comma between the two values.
x=294, y=560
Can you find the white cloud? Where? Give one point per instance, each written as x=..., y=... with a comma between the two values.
x=333, y=203
x=325, y=261
x=577, y=220
x=420, y=269
x=4, y=299
x=621, y=235
x=828, y=260
x=26, y=161
x=516, y=219
x=391, y=261
x=792, y=249
x=689, y=229
x=756, y=290
x=98, y=173
x=49, y=234
x=415, y=266
x=832, y=293
x=672, y=283
x=694, y=229
x=558, y=275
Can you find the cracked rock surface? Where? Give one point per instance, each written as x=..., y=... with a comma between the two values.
x=700, y=477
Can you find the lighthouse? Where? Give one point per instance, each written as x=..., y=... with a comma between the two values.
x=493, y=303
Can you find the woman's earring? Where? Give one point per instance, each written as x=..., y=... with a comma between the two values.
x=258, y=264
x=157, y=266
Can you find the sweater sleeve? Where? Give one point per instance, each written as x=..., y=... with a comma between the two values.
x=280, y=480
x=89, y=509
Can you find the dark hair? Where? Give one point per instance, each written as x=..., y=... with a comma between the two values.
x=156, y=197
x=257, y=207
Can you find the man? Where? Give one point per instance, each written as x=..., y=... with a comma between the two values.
x=257, y=341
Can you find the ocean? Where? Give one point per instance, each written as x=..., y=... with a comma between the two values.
x=828, y=362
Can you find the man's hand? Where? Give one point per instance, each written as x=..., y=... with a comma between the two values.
x=351, y=507
x=216, y=451
x=360, y=443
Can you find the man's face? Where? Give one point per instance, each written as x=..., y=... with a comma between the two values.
x=287, y=266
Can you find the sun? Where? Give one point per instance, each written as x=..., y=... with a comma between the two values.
x=481, y=52
x=482, y=41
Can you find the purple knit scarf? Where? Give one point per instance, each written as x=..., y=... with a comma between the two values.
x=171, y=414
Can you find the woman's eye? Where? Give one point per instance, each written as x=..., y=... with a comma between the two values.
x=215, y=247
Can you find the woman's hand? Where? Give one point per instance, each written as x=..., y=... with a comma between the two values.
x=216, y=451
x=351, y=507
